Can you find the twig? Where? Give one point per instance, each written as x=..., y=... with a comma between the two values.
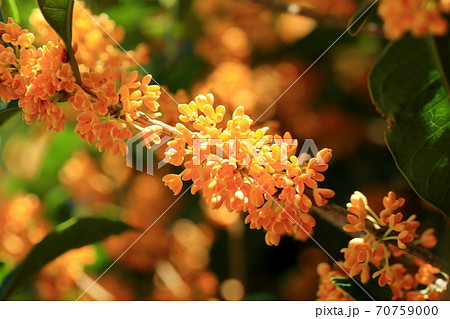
x=328, y=20
x=167, y=129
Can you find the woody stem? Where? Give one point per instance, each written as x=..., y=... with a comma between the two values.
x=167, y=129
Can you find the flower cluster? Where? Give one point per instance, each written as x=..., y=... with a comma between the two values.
x=247, y=170
x=109, y=107
x=106, y=114
x=386, y=236
x=420, y=17
x=34, y=76
x=40, y=78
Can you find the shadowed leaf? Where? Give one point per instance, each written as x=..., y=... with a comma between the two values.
x=74, y=233
x=409, y=86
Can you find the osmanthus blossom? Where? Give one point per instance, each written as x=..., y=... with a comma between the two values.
x=381, y=251
x=258, y=173
x=264, y=179
x=41, y=77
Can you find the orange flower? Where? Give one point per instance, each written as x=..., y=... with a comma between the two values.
x=363, y=270
x=386, y=276
x=428, y=239
x=320, y=194
x=415, y=296
x=12, y=33
x=403, y=238
x=390, y=203
x=402, y=282
x=173, y=181
x=425, y=274
x=357, y=205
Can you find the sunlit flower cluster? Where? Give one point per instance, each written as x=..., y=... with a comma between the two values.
x=40, y=78
x=385, y=237
x=247, y=170
x=34, y=76
x=107, y=115
x=420, y=17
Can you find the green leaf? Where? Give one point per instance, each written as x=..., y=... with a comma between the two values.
x=3, y=269
x=7, y=111
x=9, y=9
x=360, y=16
x=59, y=14
x=409, y=86
x=354, y=291
x=71, y=234
x=59, y=150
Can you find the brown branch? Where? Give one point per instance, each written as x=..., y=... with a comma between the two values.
x=324, y=19
x=337, y=216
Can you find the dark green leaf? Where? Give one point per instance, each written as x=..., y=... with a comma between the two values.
x=360, y=16
x=7, y=111
x=9, y=9
x=354, y=291
x=58, y=14
x=409, y=86
x=71, y=234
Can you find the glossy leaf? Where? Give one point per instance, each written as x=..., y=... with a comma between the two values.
x=9, y=9
x=59, y=14
x=3, y=270
x=71, y=234
x=354, y=291
x=409, y=86
x=7, y=111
